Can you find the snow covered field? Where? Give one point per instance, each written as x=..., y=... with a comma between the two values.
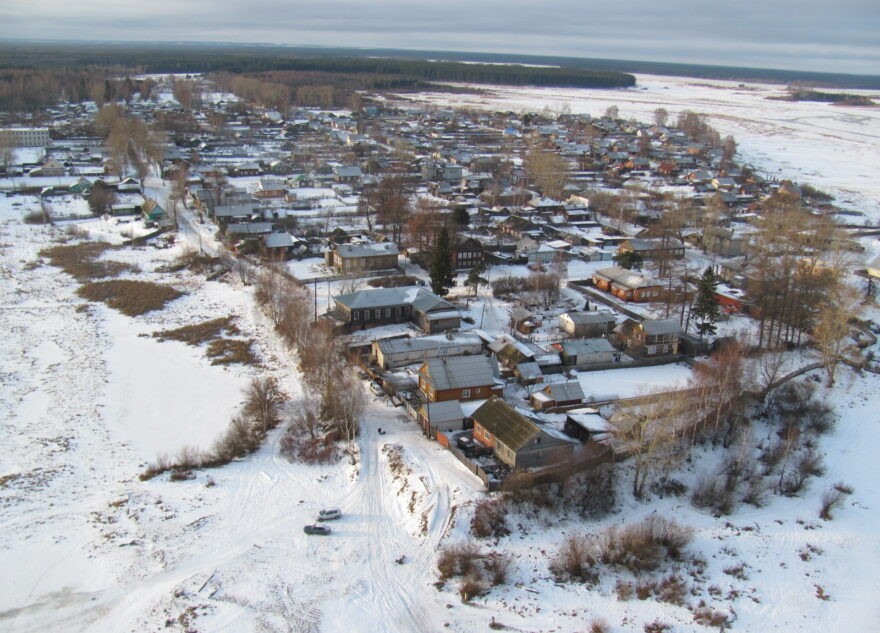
x=830, y=147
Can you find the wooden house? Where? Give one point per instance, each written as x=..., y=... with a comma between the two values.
x=373, y=307
x=516, y=440
x=356, y=258
x=458, y=378
x=652, y=249
x=587, y=324
x=627, y=285
x=467, y=253
x=651, y=337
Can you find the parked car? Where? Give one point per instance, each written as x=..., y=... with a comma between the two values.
x=329, y=514
x=321, y=530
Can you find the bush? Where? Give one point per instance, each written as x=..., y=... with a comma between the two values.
x=199, y=333
x=756, y=492
x=833, y=499
x=711, y=491
x=128, y=296
x=708, y=616
x=297, y=446
x=625, y=590
x=644, y=546
x=598, y=625
x=35, y=217
x=226, y=351
x=458, y=560
x=497, y=566
x=657, y=627
x=574, y=561
x=470, y=589
x=490, y=519
x=672, y=589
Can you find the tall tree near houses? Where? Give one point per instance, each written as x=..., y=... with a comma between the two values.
x=548, y=170
x=661, y=116
x=441, y=265
x=475, y=280
x=705, y=309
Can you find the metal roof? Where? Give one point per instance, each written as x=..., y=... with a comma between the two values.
x=565, y=391
x=663, y=326
x=367, y=250
x=587, y=346
x=420, y=299
x=397, y=345
x=459, y=372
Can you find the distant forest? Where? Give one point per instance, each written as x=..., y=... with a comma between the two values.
x=36, y=75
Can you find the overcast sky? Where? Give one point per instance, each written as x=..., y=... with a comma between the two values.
x=819, y=35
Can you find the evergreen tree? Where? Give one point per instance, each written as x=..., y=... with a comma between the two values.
x=441, y=265
x=475, y=279
x=629, y=260
x=706, y=309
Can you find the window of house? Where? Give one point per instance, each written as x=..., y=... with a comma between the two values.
x=387, y=313
x=398, y=312
x=465, y=393
x=356, y=316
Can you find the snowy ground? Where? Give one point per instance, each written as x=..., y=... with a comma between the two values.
x=830, y=147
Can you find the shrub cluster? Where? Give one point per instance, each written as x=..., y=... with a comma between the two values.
x=490, y=518
x=477, y=569
x=131, y=297
x=638, y=547
x=80, y=260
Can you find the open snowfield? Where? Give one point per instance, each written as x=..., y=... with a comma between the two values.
x=830, y=147
x=88, y=397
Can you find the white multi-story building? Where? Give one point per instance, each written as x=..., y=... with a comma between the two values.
x=25, y=136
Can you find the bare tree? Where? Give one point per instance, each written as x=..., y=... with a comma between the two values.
x=661, y=116
x=548, y=170
x=649, y=430
x=832, y=329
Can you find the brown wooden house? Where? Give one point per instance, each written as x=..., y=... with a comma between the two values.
x=458, y=378
x=627, y=285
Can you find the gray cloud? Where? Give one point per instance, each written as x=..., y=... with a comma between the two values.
x=802, y=34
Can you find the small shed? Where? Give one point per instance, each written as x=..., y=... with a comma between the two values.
x=558, y=394
x=443, y=416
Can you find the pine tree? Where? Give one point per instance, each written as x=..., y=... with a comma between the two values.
x=706, y=309
x=441, y=265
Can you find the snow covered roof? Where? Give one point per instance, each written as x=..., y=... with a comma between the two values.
x=421, y=299
x=441, y=412
x=590, y=318
x=424, y=343
x=587, y=346
x=565, y=391
x=661, y=326
x=459, y=372
x=367, y=250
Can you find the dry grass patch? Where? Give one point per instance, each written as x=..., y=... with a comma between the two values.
x=80, y=260
x=225, y=351
x=129, y=296
x=199, y=333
